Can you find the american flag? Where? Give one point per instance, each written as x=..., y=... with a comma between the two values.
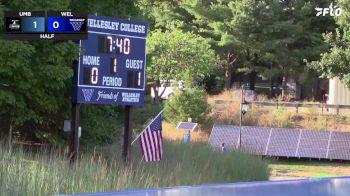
x=152, y=141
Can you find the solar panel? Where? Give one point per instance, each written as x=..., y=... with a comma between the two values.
x=335, y=154
x=313, y=144
x=187, y=126
x=339, y=147
x=254, y=139
x=282, y=142
x=312, y=153
x=227, y=134
x=343, y=136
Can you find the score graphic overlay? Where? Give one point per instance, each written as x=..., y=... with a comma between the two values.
x=112, y=63
x=25, y=22
x=42, y=25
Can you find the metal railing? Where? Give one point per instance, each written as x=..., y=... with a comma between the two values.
x=295, y=105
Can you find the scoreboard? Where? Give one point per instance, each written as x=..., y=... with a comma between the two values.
x=45, y=25
x=112, y=62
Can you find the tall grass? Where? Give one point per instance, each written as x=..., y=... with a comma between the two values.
x=48, y=172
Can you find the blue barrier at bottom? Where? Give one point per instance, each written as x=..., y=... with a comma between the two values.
x=307, y=187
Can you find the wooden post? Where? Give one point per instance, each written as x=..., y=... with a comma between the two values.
x=10, y=136
x=338, y=109
x=75, y=121
x=127, y=133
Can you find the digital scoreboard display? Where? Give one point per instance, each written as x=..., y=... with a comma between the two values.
x=112, y=62
x=45, y=25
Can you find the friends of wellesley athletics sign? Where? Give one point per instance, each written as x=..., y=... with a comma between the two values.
x=112, y=62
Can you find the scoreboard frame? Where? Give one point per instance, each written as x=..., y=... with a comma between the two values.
x=132, y=75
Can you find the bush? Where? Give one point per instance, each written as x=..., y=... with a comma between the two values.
x=275, y=118
x=188, y=103
x=144, y=114
x=101, y=124
x=104, y=124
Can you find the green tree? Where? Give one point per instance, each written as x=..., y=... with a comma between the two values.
x=295, y=35
x=229, y=25
x=270, y=37
x=36, y=76
x=176, y=55
x=273, y=37
x=206, y=18
x=335, y=62
x=190, y=103
x=115, y=8
x=215, y=20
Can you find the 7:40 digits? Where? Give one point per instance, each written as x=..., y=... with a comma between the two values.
x=121, y=45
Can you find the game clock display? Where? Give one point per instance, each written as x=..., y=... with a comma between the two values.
x=112, y=63
x=118, y=49
x=46, y=25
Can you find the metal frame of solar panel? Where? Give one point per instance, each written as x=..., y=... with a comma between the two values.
x=284, y=142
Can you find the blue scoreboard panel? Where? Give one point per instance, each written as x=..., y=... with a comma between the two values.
x=45, y=25
x=112, y=62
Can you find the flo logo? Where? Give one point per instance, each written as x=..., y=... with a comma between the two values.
x=331, y=10
x=88, y=93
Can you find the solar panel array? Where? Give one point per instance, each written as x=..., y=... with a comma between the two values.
x=283, y=142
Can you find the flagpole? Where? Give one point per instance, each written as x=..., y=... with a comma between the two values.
x=138, y=136
x=146, y=127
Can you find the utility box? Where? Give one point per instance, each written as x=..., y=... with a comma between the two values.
x=187, y=138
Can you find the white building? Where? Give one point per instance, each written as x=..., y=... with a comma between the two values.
x=339, y=94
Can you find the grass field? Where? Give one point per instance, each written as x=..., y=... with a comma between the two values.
x=296, y=169
x=48, y=172
x=280, y=169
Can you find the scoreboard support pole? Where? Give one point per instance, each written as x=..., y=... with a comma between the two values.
x=75, y=119
x=127, y=134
